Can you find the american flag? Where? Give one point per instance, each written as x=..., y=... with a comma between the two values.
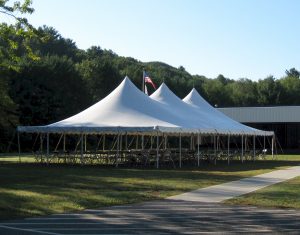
x=149, y=80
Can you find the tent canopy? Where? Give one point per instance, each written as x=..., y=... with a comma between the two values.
x=127, y=109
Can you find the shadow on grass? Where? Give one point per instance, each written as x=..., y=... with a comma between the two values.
x=32, y=189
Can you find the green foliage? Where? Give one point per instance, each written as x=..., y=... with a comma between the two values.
x=45, y=77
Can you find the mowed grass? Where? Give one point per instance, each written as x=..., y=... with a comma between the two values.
x=281, y=195
x=30, y=189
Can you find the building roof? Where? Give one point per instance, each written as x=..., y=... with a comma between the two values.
x=277, y=114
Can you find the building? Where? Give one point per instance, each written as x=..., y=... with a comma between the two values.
x=283, y=120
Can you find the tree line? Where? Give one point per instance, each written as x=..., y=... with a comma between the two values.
x=45, y=77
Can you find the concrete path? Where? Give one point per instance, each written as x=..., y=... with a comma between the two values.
x=221, y=192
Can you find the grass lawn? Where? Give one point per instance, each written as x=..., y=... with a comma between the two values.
x=282, y=195
x=29, y=189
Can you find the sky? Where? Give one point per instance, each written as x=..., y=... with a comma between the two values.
x=237, y=38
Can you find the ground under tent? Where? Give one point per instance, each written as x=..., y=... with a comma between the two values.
x=128, y=127
x=148, y=150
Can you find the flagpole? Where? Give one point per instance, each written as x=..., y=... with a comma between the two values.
x=143, y=83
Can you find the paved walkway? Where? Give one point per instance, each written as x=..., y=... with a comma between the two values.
x=221, y=192
x=182, y=214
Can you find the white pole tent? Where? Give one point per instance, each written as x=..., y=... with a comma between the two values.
x=128, y=111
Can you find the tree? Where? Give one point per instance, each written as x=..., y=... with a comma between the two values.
x=269, y=91
x=15, y=38
x=292, y=73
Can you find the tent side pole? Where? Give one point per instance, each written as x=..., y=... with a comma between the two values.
x=228, y=149
x=81, y=149
x=85, y=143
x=19, y=146
x=242, y=155
x=103, y=146
x=157, y=149
x=215, y=149
x=254, y=148
x=273, y=140
x=179, y=150
x=142, y=142
x=198, y=152
x=118, y=150
x=64, y=143
x=47, y=148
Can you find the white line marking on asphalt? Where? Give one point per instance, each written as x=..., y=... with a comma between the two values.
x=28, y=230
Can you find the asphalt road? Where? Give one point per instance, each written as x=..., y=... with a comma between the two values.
x=162, y=217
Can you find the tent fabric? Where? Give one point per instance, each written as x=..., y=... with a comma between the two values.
x=127, y=109
x=195, y=100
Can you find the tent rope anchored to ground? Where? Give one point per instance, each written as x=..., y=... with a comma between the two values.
x=128, y=112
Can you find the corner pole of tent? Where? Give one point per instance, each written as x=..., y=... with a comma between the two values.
x=242, y=155
x=81, y=149
x=157, y=149
x=47, y=148
x=198, y=152
x=228, y=149
x=142, y=142
x=179, y=150
x=264, y=141
x=254, y=148
x=19, y=146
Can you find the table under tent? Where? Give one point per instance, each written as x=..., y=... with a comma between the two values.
x=128, y=127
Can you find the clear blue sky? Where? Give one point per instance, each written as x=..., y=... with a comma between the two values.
x=236, y=38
